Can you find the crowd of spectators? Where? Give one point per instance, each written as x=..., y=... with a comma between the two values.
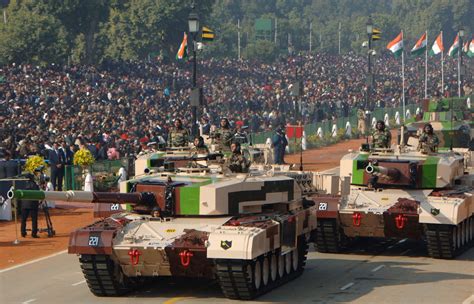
x=115, y=107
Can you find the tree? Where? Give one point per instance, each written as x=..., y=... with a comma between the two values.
x=31, y=37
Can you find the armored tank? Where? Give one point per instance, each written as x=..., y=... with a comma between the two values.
x=401, y=193
x=451, y=120
x=248, y=231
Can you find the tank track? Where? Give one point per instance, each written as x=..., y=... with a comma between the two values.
x=329, y=238
x=238, y=278
x=448, y=241
x=103, y=276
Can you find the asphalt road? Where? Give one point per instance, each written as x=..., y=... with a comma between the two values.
x=388, y=272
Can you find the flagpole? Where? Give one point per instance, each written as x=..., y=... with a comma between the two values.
x=459, y=64
x=238, y=38
x=426, y=66
x=403, y=81
x=339, y=32
x=442, y=68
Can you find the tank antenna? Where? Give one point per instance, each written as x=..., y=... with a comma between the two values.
x=451, y=106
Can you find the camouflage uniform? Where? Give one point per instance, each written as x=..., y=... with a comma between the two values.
x=178, y=137
x=223, y=137
x=199, y=150
x=361, y=125
x=381, y=139
x=237, y=163
x=430, y=141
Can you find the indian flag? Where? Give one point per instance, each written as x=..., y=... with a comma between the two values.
x=437, y=45
x=396, y=45
x=453, y=50
x=182, y=52
x=470, y=51
x=420, y=46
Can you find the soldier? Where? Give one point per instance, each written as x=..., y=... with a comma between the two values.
x=361, y=125
x=279, y=144
x=199, y=146
x=428, y=141
x=224, y=135
x=178, y=136
x=237, y=163
x=381, y=138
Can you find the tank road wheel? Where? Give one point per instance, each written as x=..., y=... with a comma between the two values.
x=273, y=267
x=295, y=259
x=288, y=263
x=245, y=280
x=281, y=265
x=257, y=274
x=103, y=276
x=265, y=271
x=448, y=241
x=329, y=236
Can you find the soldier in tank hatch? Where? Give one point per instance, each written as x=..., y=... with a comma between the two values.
x=224, y=135
x=178, y=136
x=237, y=163
x=428, y=141
x=381, y=137
x=199, y=146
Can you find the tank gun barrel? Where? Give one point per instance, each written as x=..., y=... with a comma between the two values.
x=139, y=198
x=388, y=173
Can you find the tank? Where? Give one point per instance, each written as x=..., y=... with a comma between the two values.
x=401, y=193
x=454, y=128
x=250, y=232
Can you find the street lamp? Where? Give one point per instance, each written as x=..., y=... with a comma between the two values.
x=195, y=98
x=460, y=67
x=370, y=28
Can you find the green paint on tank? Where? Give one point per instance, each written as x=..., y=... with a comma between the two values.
x=429, y=172
x=358, y=170
x=189, y=198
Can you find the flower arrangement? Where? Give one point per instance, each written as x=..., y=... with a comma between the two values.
x=34, y=162
x=83, y=158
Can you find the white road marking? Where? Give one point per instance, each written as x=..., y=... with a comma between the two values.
x=29, y=301
x=347, y=286
x=78, y=283
x=33, y=261
x=469, y=300
x=402, y=241
x=378, y=268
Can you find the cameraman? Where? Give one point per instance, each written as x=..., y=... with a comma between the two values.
x=30, y=207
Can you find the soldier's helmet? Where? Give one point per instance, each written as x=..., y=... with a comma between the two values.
x=235, y=147
x=225, y=122
x=428, y=128
x=199, y=141
x=178, y=122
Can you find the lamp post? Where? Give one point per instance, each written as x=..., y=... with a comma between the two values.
x=460, y=67
x=370, y=28
x=193, y=26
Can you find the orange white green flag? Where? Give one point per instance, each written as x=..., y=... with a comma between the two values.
x=182, y=51
x=420, y=46
x=396, y=45
x=453, y=50
x=470, y=51
x=438, y=46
